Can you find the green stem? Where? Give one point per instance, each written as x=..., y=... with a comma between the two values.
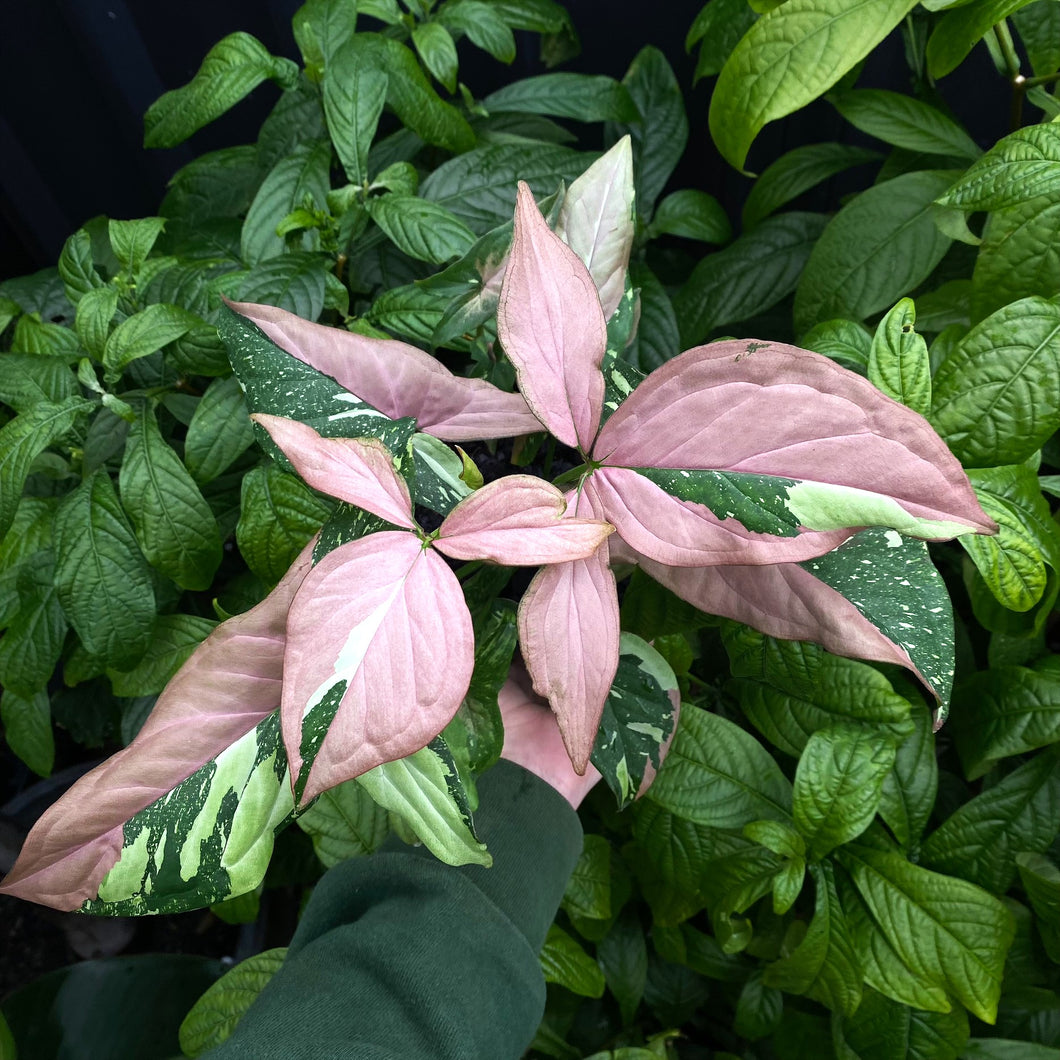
x=1012, y=62
x=1034, y=82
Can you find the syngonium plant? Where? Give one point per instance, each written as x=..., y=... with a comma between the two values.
x=759, y=481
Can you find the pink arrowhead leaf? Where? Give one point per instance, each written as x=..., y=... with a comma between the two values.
x=386, y=617
x=596, y=220
x=230, y=683
x=397, y=379
x=569, y=635
x=357, y=470
x=517, y=521
x=552, y=327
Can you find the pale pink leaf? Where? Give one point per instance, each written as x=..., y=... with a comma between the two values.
x=518, y=521
x=357, y=470
x=387, y=617
x=596, y=220
x=230, y=683
x=767, y=408
x=552, y=328
x=686, y=534
x=397, y=379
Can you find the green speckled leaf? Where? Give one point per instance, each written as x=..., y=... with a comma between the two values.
x=437, y=469
x=638, y=719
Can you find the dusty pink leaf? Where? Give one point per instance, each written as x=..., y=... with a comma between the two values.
x=357, y=470
x=397, y=379
x=517, y=520
x=686, y=534
x=228, y=685
x=773, y=409
x=388, y=617
x=596, y=220
x=552, y=327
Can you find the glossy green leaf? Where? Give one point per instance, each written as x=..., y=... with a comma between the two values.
x=717, y=30
x=145, y=332
x=95, y=311
x=584, y=97
x=908, y=793
x=1041, y=883
x=103, y=581
x=320, y=28
x=693, y=215
x=233, y=67
x=76, y=268
x=28, y=730
x=588, y=891
x=716, y=774
x=623, y=958
x=423, y=229
x=878, y=247
x=997, y=396
x=51, y=340
x=565, y=963
x=174, y=525
x=748, y=277
x=435, y=47
x=27, y=380
x=214, y=1016
x=904, y=121
x=219, y=432
x=484, y=25
x=883, y=1029
x=943, y=929
x=344, y=822
x=898, y=359
x=838, y=784
x=843, y=341
x=796, y=172
x=216, y=184
x=959, y=30
x=979, y=841
x=657, y=338
x=354, y=97
x=788, y=58
x=30, y=649
x=1038, y=25
x=173, y=639
x=1007, y=1049
x=132, y=241
x=295, y=282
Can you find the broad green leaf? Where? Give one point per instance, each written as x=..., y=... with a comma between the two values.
x=1041, y=882
x=748, y=277
x=214, y=1016
x=788, y=58
x=588, y=892
x=30, y=649
x=424, y=789
x=692, y=214
x=1019, y=167
x=132, y=241
x=344, y=822
x=145, y=332
x=23, y=439
x=103, y=581
x=997, y=396
x=719, y=775
x=908, y=793
x=980, y=840
x=76, y=268
x=660, y=137
x=484, y=25
x=435, y=47
x=52, y=340
x=95, y=311
x=958, y=31
x=1007, y=1049
x=657, y=338
x=27, y=726
x=297, y=179
x=1018, y=256
x=295, y=282
x=838, y=784
x=354, y=98
x=883, y=1029
x=9, y=310
x=905, y=122
x=1006, y=711
x=1013, y=562
x=27, y=380
x=944, y=929
x=421, y=228
x=298, y=118
x=174, y=525
x=320, y=28
x=790, y=690
x=584, y=97
x=638, y=720
x=216, y=184
x=898, y=359
x=623, y=958
x=1039, y=29
x=565, y=963
x=233, y=67
x=717, y=29
x=798, y=171
x=824, y=966
x=845, y=342
x=878, y=247
x=173, y=639
x=479, y=186
x=410, y=312
x=219, y=431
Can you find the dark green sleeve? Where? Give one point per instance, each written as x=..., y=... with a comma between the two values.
x=400, y=956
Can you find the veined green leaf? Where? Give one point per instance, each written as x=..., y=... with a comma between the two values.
x=981, y=839
x=354, y=97
x=76, y=267
x=788, y=58
x=295, y=282
x=219, y=431
x=320, y=28
x=344, y=822
x=435, y=47
x=214, y=1016
x=1038, y=25
x=588, y=891
x=132, y=241
x=898, y=359
x=958, y=31
x=103, y=581
x=997, y=396
x=423, y=229
x=623, y=957
x=584, y=97
x=173, y=639
x=883, y=1029
x=174, y=525
x=484, y=25
x=30, y=649
x=657, y=338
x=717, y=30
x=693, y=215
x=52, y=340
x=1041, y=882
x=233, y=67
x=564, y=962
x=876, y=249
x=216, y=184
x=716, y=774
x=27, y=380
x=908, y=793
x=28, y=729
x=145, y=332
x=95, y=311
x=843, y=341
x=905, y=122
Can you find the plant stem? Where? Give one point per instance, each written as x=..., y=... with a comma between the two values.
x=1034, y=82
x=1019, y=82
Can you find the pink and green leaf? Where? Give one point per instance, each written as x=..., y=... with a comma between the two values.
x=552, y=327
